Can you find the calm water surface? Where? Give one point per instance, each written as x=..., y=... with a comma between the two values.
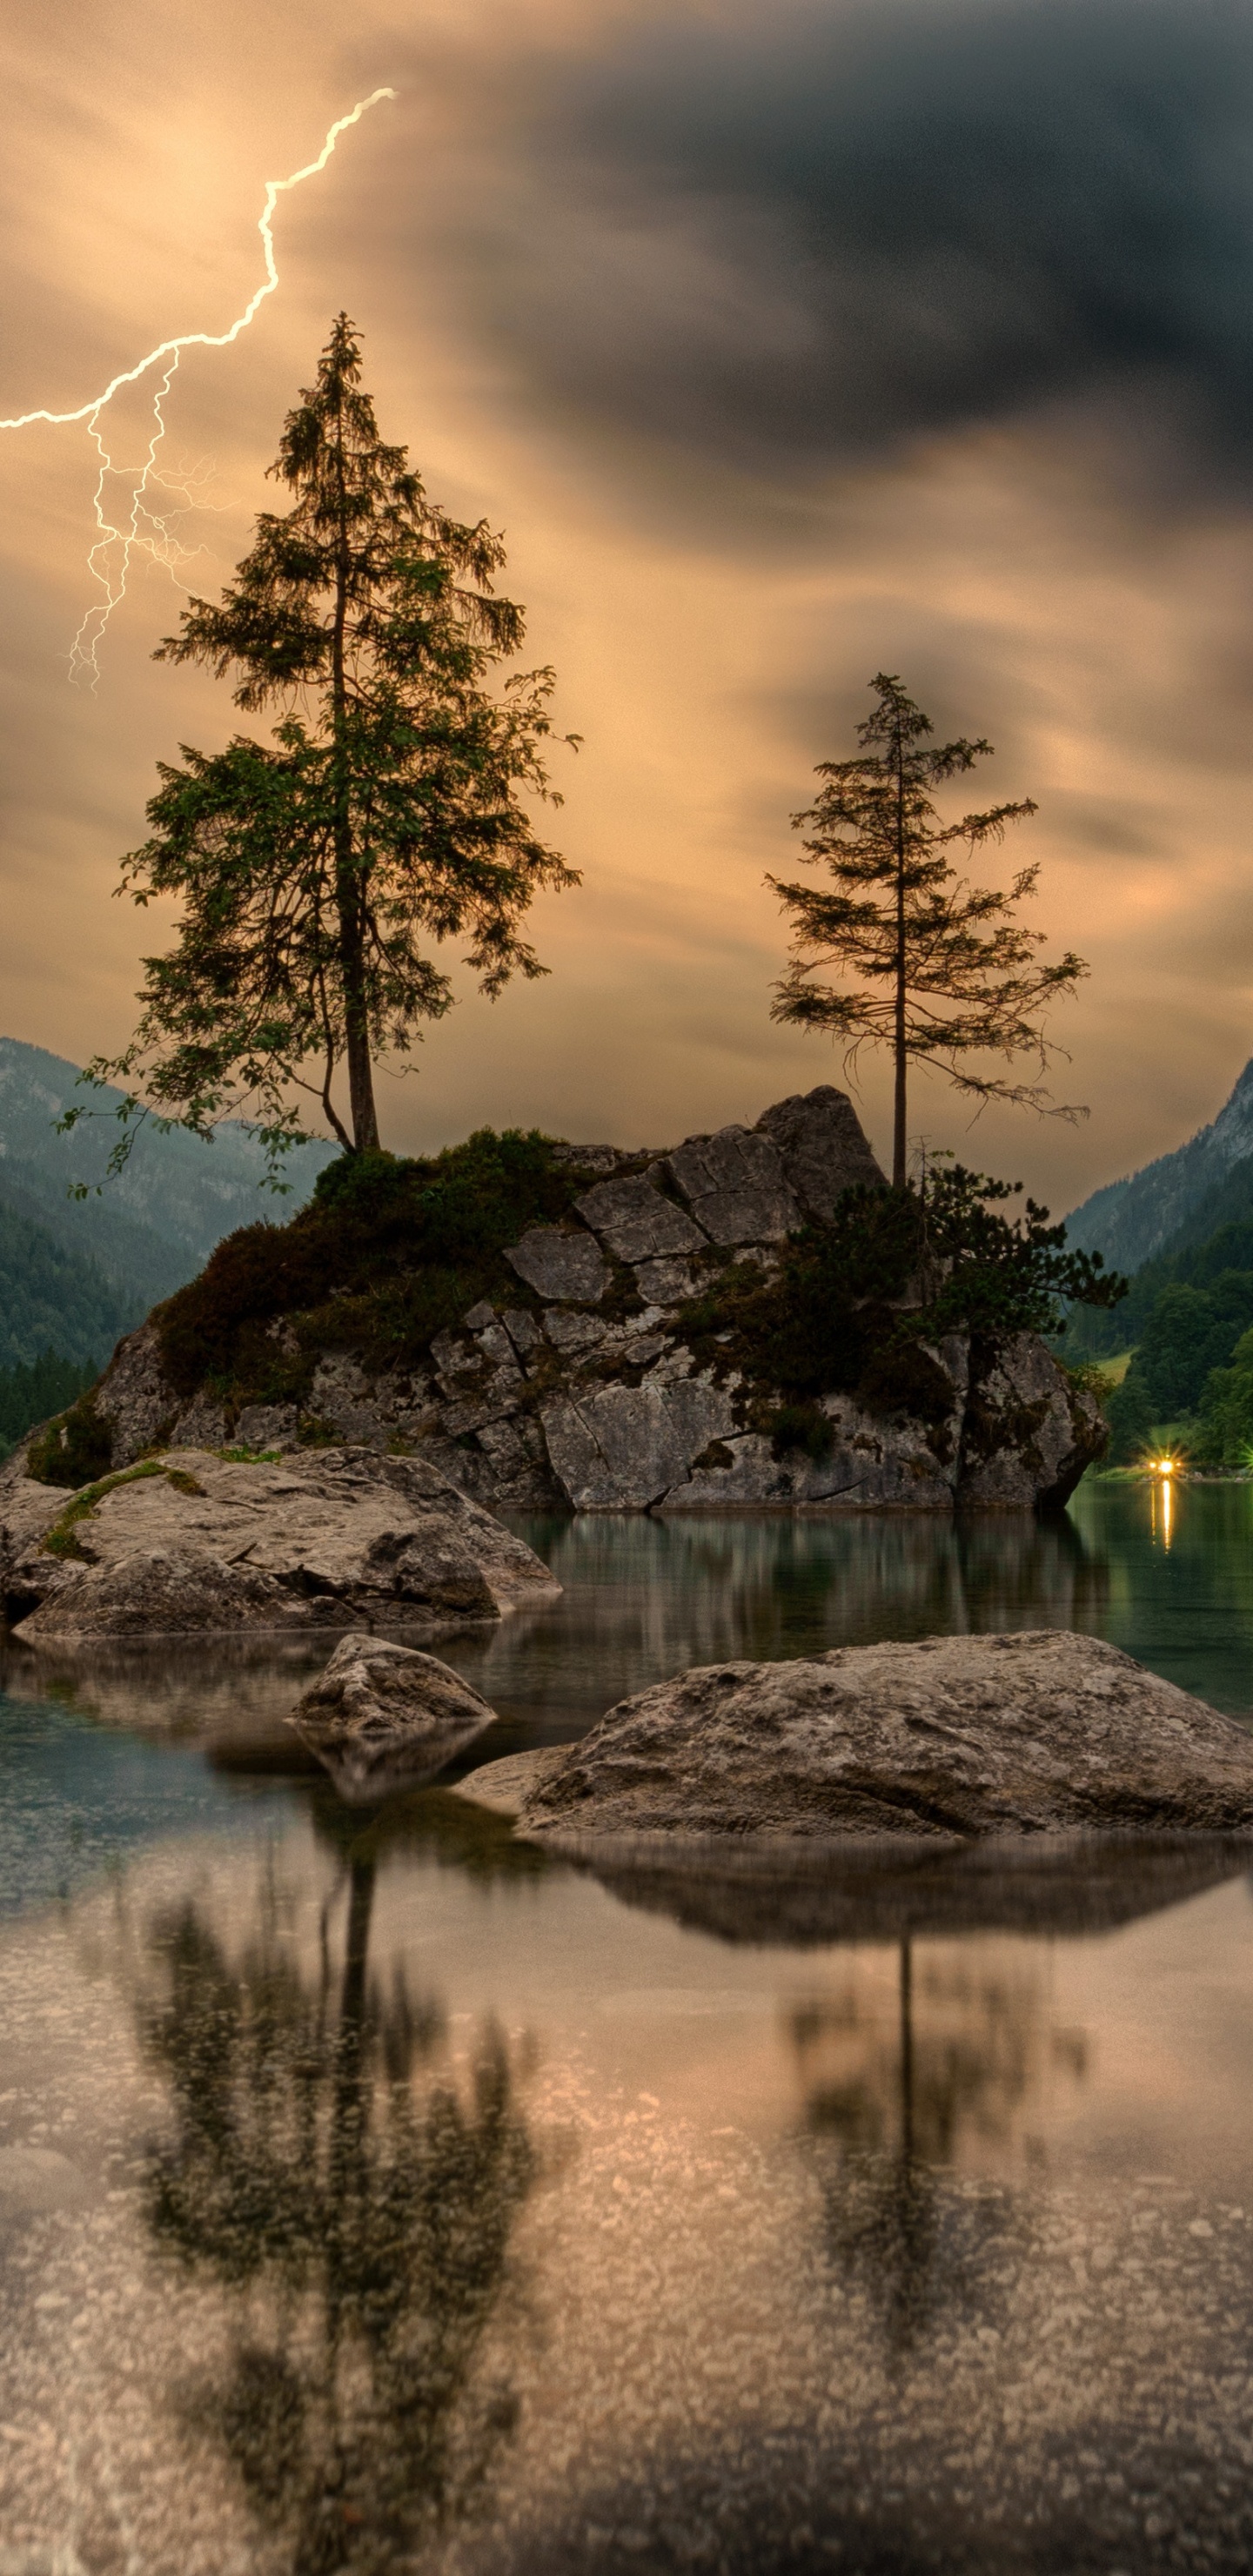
x=377, y=2195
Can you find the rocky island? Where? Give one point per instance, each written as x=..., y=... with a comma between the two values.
x=553, y=1326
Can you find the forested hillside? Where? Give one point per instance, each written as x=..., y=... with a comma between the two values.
x=51, y=1299
x=1179, y=1199
x=1189, y=1319
x=77, y=1273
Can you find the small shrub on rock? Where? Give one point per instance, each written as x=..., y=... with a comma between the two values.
x=802, y=1426
x=74, y=1449
x=388, y=1252
x=853, y=1305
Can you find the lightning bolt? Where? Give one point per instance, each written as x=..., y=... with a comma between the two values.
x=143, y=529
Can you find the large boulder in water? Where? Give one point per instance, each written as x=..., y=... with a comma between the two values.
x=383, y=1716
x=191, y=1542
x=1041, y=1732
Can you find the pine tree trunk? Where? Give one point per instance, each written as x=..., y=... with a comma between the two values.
x=900, y=1155
x=899, y=1130
x=348, y=891
x=364, y=1114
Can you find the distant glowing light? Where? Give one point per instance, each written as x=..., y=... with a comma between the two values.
x=143, y=529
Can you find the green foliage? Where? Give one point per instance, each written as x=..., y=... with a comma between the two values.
x=989, y=1275
x=854, y=1304
x=75, y=1448
x=30, y=1395
x=939, y=970
x=388, y=1253
x=1206, y=1265
x=386, y=814
x=802, y=1426
x=1188, y=1332
x=1225, y=1428
x=1129, y=1411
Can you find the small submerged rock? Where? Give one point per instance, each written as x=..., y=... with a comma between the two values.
x=952, y=1738
x=384, y=1716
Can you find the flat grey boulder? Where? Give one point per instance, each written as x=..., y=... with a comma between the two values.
x=952, y=1738
x=636, y=1221
x=557, y=1264
x=191, y=1542
x=384, y=1716
x=733, y=1183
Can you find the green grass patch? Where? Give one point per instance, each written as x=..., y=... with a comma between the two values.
x=60, y=1539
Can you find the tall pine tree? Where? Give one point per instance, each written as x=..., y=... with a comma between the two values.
x=386, y=813
x=939, y=969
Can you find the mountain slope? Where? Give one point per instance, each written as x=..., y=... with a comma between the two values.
x=51, y=1299
x=1181, y=1198
x=155, y=1226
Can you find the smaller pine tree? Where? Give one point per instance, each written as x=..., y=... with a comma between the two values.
x=942, y=972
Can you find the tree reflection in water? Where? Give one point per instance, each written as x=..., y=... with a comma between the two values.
x=893, y=2110
x=357, y=2209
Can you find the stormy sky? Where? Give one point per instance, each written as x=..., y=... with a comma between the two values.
x=786, y=344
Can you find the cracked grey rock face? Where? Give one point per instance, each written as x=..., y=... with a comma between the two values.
x=136, y=1399
x=332, y=1538
x=524, y=1332
x=383, y=1716
x=341, y=1395
x=557, y=1264
x=590, y=1158
x=622, y=1448
x=734, y=1184
x=818, y=1136
x=636, y=1221
x=266, y=1426
x=949, y=1739
x=665, y=1283
x=1023, y=1426
x=575, y=1332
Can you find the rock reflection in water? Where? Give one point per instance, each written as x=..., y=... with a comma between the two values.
x=645, y=1598
x=806, y=1897
x=357, y=2211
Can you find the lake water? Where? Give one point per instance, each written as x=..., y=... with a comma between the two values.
x=378, y=2195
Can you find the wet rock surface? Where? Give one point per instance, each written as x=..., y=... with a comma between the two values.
x=385, y=1716
x=336, y=1538
x=1039, y=1732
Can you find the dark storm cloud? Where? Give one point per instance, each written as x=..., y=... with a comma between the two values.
x=818, y=231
